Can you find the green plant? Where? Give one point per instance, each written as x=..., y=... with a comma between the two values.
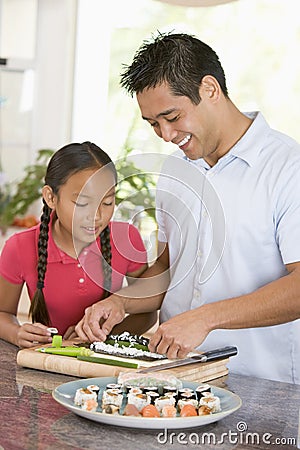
x=15, y=198
x=135, y=189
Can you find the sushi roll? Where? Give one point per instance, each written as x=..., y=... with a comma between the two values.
x=183, y=391
x=172, y=389
x=169, y=411
x=188, y=395
x=188, y=411
x=162, y=401
x=82, y=395
x=113, y=386
x=138, y=400
x=212, y=402
x=204, y=410
x=135, y=390
x=90, y=405
x=150, y=411
x=94, y=388
x=115, y=391
x=131, y=410
x=110, y=409
x=111, y=398
x=188, y=401
x=202, y=389
x=53, y=331
x=153, y=396
x=147, y=389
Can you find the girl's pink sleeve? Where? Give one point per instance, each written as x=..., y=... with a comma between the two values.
x=137, y=253
x=10, y=267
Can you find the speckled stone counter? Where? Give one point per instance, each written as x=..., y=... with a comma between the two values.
x=30, y=419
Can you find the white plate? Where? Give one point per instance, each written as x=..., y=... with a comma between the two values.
x=64, y=394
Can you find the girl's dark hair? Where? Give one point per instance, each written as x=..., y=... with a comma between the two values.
x=64, y=163
x=181, y=60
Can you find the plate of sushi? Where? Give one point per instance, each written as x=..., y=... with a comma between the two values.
x=150, y=401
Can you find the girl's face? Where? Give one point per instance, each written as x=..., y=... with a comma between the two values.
x=84, y=206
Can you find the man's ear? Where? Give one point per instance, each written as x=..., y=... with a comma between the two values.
x=209, y=87
x=49, y=196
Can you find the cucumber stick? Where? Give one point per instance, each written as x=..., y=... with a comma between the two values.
x=110, y=362
x=65, y=351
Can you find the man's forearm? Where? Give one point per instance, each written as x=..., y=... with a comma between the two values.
x=275, y=303
x=147, y=292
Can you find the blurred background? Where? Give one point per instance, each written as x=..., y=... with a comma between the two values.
x=61, y=60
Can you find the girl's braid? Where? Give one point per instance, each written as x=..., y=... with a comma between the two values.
x=38, y=309
x=106, y=260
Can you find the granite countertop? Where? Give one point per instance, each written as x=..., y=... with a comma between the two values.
x=31, y=419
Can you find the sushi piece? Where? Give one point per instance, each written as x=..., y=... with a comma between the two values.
x=111, y=398
x=135, y=390
x=202, y=389
x=212, y=402
x=188, y=411
x=150, y=411
x=169, y=411
x=131, y=410
x=113, y=386
x=82, y=395
x=189, y=401
x=188, y=396
x=153, y=396
x=94, y=388
x=170, y=389
x=110, y=409
x=172, y=394
x=184, y=391
x=53, y=331
x=204, y=410
x=139, y=400
x=90, y=405
x=162, y=401
x=147, y=389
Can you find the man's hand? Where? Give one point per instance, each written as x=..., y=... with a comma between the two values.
x=100, y=318
x=179, y=335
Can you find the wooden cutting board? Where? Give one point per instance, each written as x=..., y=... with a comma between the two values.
x=71, y=366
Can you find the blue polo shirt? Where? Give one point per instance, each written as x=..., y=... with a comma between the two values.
x=231, y=229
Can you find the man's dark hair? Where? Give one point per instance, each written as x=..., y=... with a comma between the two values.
x=180, y=60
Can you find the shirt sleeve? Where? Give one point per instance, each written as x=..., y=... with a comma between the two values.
x=287, y=219
x=10, y=267
x=137, y=256
x=129, y=248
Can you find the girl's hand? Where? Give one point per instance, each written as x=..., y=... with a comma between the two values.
x=32, y=334
x=100, y=318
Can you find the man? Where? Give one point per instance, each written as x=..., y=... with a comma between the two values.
x=228, y=210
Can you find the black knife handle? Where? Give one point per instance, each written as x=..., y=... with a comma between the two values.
x=220, y=353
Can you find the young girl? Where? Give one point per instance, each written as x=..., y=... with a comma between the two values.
x=76, y=256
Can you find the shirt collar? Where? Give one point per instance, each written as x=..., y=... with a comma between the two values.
x=248, y=147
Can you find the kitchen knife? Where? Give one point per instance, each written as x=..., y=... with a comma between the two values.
x=210, y=355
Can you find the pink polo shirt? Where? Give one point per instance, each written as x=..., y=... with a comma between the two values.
x=71, y=285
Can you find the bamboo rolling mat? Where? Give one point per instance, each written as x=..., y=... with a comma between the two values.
x=67, y=365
